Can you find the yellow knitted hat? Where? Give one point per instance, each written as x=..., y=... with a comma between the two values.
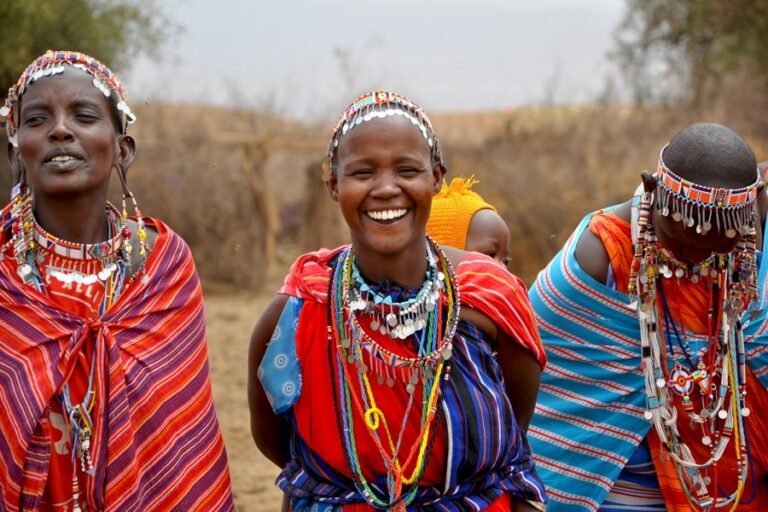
x=452, y=211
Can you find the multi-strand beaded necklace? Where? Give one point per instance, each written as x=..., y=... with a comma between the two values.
x=430, y=319
x=711, y=383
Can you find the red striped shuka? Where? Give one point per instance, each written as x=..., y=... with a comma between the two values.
x=156, y=442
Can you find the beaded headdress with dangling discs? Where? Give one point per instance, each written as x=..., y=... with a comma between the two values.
x=378, y=105
x=23, y=225
x=52, y=63
x=729, y=210
x=710, y=383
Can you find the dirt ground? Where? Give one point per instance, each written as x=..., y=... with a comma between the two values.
x=230, y=319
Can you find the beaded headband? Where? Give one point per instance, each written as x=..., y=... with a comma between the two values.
x=731, y=209
x=378, y=105
x=52, y=63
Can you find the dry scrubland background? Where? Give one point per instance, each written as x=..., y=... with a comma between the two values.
x=245, y=190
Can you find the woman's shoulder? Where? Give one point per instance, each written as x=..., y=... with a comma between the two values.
x=309, y=274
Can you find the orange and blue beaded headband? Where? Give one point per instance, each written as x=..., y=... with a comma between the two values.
x=731, y=210
x=52, y=63
x=378, y=105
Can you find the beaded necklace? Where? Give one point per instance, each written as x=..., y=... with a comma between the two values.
x=350, y=345
x=84, y=263
x=714, y=379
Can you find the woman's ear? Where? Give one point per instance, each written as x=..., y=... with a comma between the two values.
x=126, y=151
x=333, y=185
x=438, y=172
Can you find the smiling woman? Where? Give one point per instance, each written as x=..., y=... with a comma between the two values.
x=395, y=373
x=99, y=313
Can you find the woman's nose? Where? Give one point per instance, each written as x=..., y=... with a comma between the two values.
x=386, y=185
x=60, y=130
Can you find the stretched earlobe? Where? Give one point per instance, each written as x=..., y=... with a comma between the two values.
x=17, y=172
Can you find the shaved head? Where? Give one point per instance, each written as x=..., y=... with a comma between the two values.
x=713, y=155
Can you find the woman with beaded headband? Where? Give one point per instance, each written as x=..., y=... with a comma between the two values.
x=104, y=378
x=654, y=319
x=394, y=373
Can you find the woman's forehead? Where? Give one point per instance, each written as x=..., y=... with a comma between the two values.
x=384, y=134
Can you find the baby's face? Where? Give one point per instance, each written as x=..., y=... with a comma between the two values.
x=488, y=234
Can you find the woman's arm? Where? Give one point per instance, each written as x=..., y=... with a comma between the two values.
x=522, y=375
x=269, y=431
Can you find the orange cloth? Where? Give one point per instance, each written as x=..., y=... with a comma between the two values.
x=688, y=303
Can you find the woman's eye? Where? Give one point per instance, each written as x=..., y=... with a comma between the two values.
x=87, y=117
x=33, y=120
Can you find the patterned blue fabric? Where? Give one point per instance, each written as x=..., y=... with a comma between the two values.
x=280, y=370
x=589, y=414
x=637, y=488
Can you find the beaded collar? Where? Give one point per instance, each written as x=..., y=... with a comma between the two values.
x=100, y=250
x=85, y=263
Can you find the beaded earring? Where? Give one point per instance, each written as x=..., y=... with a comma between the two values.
x=22, y=221
x=141, y=232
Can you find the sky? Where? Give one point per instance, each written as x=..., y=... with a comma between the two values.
x=306, y=59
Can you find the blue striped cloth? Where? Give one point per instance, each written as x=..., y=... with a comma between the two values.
x=589, y=416
x=637, y=488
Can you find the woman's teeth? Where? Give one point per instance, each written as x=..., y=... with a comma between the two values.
x=387, y=214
